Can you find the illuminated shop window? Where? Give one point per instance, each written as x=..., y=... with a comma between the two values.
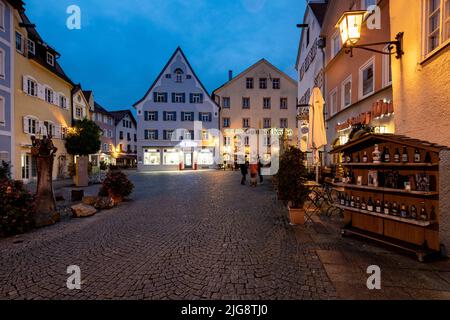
x=171, y=157
x=152, y=157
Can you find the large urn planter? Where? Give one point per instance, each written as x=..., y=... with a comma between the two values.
x=296, y=216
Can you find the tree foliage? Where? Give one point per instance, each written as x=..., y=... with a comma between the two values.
x=84, y=138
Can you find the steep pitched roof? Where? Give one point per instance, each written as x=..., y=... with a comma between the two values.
x=87, y=94
x=99, y=109
x=178, y=50
x=262, y=61
x=17, y=4
x=120, y=114
x=40, y=55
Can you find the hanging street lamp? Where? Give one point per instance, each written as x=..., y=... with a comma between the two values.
x=350, y=25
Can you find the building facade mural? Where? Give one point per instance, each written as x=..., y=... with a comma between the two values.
x=177, y=121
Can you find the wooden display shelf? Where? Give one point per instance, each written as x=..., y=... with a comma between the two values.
x=389, y=164
x=388, y=190
x=419, y=251
x=389, y=217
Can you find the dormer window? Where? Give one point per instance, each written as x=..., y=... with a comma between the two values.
x=31, y=47
x=179, y=75
x=50, y=59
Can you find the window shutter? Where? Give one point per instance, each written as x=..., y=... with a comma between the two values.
x=146, y=115
x=154, y=96
x=156, y=135
x=191, y=132
x=165, y=96
x=184, y=98
x=199, y=116
x=175, y=116
x=192, y=116
x=58, y=132
x=182, y=116
x=201, y=97
x=146, y=134
x=42, y=128
x=173, y=97
x=25, y=84
x=209, y=117
x=41, y=91
x=191, y=98
x=165, y=116
x=164, y=135
x=156, y=115
x=25, y=125
x=55, y=98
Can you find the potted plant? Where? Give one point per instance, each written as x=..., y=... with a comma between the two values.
x=292, y=176
x=117, y=185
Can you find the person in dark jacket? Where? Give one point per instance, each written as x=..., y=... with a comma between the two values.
x=244, y=172
x=261, y=179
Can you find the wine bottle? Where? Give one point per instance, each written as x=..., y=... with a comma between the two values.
x=405, y=156
x=404, y=211
x=342, y=199
x=413, y=212
x=386, y=155
x=378, y=206
x=352, y=202
x=349, y=158
x=423, y=213
x=376, y=155
x=386, y=207
x=394, y=209
x=397, y=156
x=358, y=203
x=370, y=205
x=347, y=201
x=417, y=157
x=363, y=204
x=365, y=158
x=357, y=158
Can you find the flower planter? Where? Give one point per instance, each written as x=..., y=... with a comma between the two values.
x=116, y=199
x=296, y=216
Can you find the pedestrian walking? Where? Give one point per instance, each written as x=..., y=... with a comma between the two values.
x=244, y=172
x=261, y=178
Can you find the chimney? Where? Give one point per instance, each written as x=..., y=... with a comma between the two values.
x=230, y=75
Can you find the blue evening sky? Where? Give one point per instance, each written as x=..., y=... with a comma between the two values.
x=123, y=45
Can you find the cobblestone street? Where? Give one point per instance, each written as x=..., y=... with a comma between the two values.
x=203, y=236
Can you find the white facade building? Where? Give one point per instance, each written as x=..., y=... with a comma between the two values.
x=125, y=138
x=177, y=121
x=310, y=61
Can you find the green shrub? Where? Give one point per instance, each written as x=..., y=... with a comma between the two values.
x=117, y=184
x=292, y=176
x=16, y=206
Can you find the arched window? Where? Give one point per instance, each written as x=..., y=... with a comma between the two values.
x=179, y=75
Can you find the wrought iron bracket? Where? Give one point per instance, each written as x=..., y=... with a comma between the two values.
x=397, y=45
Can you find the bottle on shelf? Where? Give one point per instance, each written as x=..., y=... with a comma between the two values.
x=347, y=201
x=378, y=206
x=365, y=158
x=363, y=204
x=376, y=155
x=404, y=213
x=370, y=205
x=386, y=155
x=394, y=209
x=387, y=208
x=342, y=199
x=352, y=202
x=405, y=156
x=357, y=158
x=348, y=159
x=428, y=157
x=423, y=213
x=358, y=203
x=397, y=156
x=417, y=157
x=413, y=212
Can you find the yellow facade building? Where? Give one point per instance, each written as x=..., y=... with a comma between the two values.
x=421, y=85
x=42, y=100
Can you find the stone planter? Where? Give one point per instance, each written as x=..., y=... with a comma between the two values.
x=296, y=216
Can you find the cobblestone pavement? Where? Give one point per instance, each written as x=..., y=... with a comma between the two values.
x=183, y=236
